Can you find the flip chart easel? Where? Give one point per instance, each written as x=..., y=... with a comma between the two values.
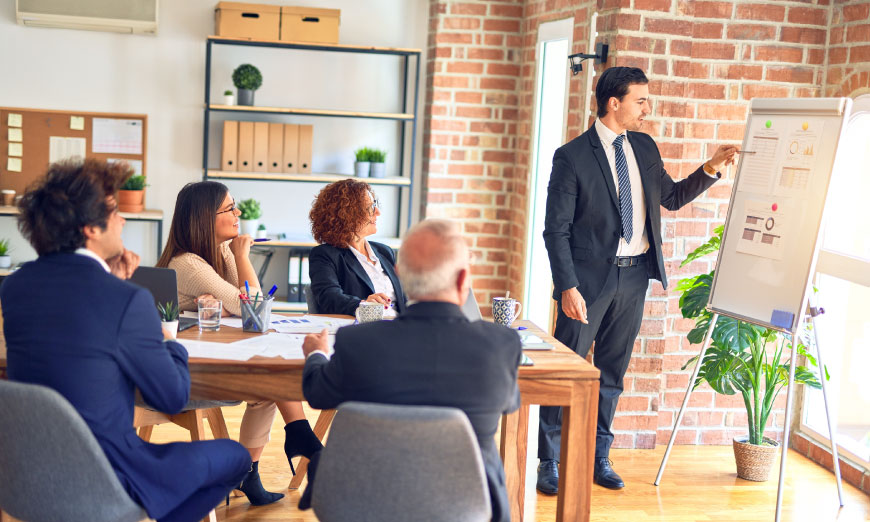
x=770, y=244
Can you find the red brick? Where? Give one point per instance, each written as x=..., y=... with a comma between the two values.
x=439, y=197
x=501, y=69
x=464, y=67
x=721, y=112
x=709, y=30
x=509, y=11
x=627, y=22
x=859, y=54
x=455, y=22
x=447, y=125
x=632, y=61
x=493, y=39
x=487, y=127
x=854, y=13
x=808, y=15
x=858, y=33
x=699, y=130
x=653, y=5
x=450, y=81
x=483, y=53
x=634, y=423
x=681, y=48
x=667, y=109
x=468, y=97
x=505, y=26
x=751, y=91
x=713, y=50
x=461, y=213
x=772, y=13
x=468, y=8
x=660, y=67
x=684, y=436
x=446, y=183
x=713, y=9
x=695, y=70
x=790, y=74
x=506, y=84
x=453, y=38
x=706, y=90
x=473, y=112
x=474, y=198
x=804, y=35
x=751, y=32
x=666, y=26
x=499, y=156
x=837, y=55
x=465, y=169
x=739, y=72
x=778, y=53
x=634, y=403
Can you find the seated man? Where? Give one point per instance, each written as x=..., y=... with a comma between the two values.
x=73, y=324
x=431, y=355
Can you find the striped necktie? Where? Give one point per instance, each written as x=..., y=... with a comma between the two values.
x=624, y=188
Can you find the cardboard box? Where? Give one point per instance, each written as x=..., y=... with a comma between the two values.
x=241, y=20
x=308, y=24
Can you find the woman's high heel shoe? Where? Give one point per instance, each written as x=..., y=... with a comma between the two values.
x=254, y=490
x=300, y=440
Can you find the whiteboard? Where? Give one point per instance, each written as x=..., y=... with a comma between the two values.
x=770, y=244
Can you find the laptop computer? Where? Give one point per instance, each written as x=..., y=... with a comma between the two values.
x=162, y=284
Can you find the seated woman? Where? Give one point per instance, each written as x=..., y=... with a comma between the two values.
x=211, y=261
x=346, y=268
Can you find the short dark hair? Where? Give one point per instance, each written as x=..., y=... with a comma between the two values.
x=72, y=195
x=614, y=83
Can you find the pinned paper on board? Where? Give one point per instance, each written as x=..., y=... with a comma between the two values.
x=799, y=161
x=13, y=164
x=60, y=148
x=764, y=229
x=136, y=165
x=15, y=134
x=77, y=123
x=117, y=136
x=758, y=169
x=14, y=120
x=16, y=149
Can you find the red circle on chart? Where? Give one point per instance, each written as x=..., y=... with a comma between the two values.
x=774, y=207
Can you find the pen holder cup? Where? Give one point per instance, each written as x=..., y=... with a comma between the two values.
x=256, y=314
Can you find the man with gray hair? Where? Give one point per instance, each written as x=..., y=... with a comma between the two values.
x=431, y=355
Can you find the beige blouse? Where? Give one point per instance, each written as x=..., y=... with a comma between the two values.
x=196, y=277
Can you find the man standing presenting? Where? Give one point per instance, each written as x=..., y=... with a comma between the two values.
x=603, y=236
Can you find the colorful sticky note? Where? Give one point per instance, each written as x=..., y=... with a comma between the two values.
x=77, y=123
x=15, y=134
x=14, y=120
x=13, y=165
x=768, y=123
x=16, y=149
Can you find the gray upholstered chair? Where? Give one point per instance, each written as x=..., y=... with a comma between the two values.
x=385, y=463
x=310, y=301
x=54, y=470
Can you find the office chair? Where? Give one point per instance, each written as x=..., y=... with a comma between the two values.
x=309, y=299
x=419, y=463
x=63, y=459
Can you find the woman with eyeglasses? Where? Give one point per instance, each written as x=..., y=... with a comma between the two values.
x=211, y=261
x=346, y=268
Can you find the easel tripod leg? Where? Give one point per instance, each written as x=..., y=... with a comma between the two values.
x=679, y=419
x=785, y=427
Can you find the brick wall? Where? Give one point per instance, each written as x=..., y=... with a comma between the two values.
x=705, y=61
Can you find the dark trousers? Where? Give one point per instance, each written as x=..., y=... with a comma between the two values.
x=614, y=322
x=226, y=462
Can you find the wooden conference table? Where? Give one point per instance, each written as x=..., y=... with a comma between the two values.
x=558, y=378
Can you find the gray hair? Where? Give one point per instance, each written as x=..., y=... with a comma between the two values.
x=431, y=257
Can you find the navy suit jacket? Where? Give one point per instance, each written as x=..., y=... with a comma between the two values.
x=73, y=327
x=582, y=224
x=339, y=282
x=429, y=356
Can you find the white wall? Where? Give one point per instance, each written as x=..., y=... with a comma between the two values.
x=163, y=76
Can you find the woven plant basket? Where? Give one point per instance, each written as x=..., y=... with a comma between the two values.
x=754, y=462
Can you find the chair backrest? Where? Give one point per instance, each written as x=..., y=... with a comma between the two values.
x=309, y=299
x=385, y=463
x=470, y=308
x=51, y=467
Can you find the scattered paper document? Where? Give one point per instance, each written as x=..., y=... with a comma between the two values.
x=308, y=324
x=15, y=134
x=209, y=350
x=13, y=165
x=533, y=342
x=60, y=148
x=274, y=345
x=14, y=120
x=16, y=149
x=117, y=136
x=77, y=123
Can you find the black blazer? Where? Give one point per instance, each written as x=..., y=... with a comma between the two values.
x=339, y=282
x=429, y=356
x=582, y=224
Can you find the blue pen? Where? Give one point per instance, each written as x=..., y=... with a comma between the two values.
x=247, y=289
x=272, y=291
x=261, y=239
x=521, y=328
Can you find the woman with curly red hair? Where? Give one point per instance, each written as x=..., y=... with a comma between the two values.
x=346, y=268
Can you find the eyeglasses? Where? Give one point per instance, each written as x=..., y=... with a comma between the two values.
x=231, y=209
x=374, y=206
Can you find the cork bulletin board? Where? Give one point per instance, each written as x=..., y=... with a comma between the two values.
x=31, y=138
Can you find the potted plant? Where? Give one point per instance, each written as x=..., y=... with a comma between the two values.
x=228, y=98
x=250, y=218
x=5, y=258
x=261, y=231
x=742, y=358
x=247, y=79
x=377, y=157
x=362, y=166
x=131, y=197
x=169, y=316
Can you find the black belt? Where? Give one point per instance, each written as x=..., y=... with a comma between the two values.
x=625, y=261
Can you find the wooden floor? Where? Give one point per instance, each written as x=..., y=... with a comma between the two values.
x=700, y=484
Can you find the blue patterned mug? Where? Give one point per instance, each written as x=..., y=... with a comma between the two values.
x=505, y=310
x=368, y=311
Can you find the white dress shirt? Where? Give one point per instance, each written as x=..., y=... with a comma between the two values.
x=639, y=241
x=378, y=277
x=93, y=255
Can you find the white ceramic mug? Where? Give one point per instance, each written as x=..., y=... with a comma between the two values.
x=505, y=310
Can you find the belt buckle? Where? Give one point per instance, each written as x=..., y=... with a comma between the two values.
x=623, y=262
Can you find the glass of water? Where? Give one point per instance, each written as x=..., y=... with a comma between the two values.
x=209, y=314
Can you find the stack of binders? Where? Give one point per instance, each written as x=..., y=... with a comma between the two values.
x=260, y=146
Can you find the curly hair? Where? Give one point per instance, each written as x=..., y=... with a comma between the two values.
x=72, y=195
x=339, y=211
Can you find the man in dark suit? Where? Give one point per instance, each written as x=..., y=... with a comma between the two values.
x=603, y=236
x=73, y=324
x=430, y=355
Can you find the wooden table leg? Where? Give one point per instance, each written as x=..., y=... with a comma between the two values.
x=514, y=448
x=324, y=420
x=575, y=478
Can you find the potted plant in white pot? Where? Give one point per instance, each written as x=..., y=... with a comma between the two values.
x=742, y=358
x=131, y=197
x=5, y=258
x=362, y=166
x=379, y=168
x=247, y=79
x=250, y=218
x=229, y=99
x=261, y=231
x=169, y=316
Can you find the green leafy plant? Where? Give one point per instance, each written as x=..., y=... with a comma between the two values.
x=246, y=76
x=250, y=209
x=377, y=155
x=168, y=311
x=4, y=247
x=363, y=154
x=742, y=358
x=261, y=227
x=228, y=92
x=134, y=183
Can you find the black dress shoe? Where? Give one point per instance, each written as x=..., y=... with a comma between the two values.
x=605, y=476
x=548, y=477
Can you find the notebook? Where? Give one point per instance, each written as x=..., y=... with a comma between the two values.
x=163, y=286
x=533, y=342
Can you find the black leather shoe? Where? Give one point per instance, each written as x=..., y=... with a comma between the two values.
x=548, y=477
x=605, y=476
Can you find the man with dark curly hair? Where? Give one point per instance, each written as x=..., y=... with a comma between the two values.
x=346, y=268
x=73, y=324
